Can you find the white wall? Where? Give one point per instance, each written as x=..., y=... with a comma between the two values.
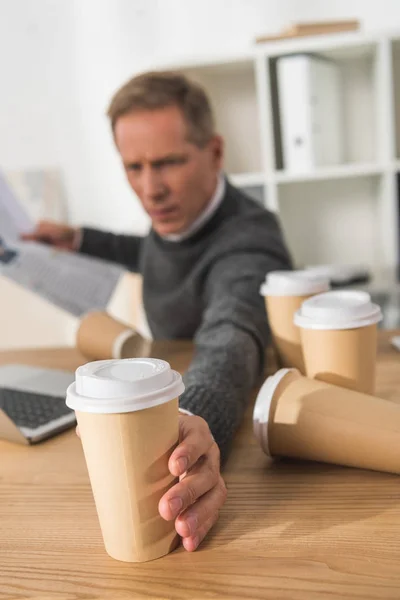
x=60, y=61
x=31, y=46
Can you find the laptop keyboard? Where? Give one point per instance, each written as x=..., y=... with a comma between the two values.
x=30, y=410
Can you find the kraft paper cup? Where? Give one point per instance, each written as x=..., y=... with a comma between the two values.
x=284, y=293
x=304, y=418
x=127, y=412
x=101, y=337
x=339, y=338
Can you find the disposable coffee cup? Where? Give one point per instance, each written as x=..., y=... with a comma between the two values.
x=101, y=337
x=339, y=338
x=284, y=293
x=127, y=412
x=304, y=418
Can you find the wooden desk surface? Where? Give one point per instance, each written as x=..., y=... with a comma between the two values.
x=289, y=530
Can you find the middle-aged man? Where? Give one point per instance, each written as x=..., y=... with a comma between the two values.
x=203, y=261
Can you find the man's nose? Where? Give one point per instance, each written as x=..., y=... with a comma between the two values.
x=152, y=184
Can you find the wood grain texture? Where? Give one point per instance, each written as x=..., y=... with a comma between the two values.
x=289, y=530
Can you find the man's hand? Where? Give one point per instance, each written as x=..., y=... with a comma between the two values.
x=195, y=501
x=54, y=234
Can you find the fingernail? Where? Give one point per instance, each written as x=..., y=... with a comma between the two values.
x=175, y=505
x=192, y=523
x=195, y=541
x=182, y=463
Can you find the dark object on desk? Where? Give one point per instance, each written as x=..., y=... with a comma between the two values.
x=32, y=403
x=356, y=279
x=37, y=417
x=341, y=276
x=6, y=255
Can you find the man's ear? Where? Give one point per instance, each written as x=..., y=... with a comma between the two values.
x=217, y=150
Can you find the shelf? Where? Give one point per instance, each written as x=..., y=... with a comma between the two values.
x=329, y=213
x=396, y=92
x=247, y=179
x=327, y=173
x=334, y=221
x=347, y=45
x=358, y=71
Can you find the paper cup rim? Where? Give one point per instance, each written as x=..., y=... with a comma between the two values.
x=120, y=340
x=262, y=407
x=334, y=319
x=124, y=385
x=294, y=283
x=124, y=404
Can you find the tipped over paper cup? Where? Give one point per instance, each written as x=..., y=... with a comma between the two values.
x=298, y=417
x=101, y=337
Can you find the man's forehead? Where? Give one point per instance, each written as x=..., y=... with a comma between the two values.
x=150, y=135
x=161, y=123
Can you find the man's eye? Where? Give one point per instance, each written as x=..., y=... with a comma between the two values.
x=134, y=167
x=168, y=162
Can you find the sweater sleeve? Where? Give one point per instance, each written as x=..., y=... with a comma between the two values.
x=230, y=343
x=122, y=249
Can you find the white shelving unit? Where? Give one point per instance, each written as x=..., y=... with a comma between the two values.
x=335, y=172
x=346, y=213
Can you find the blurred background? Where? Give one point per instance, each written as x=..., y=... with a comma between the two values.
x=61, y=61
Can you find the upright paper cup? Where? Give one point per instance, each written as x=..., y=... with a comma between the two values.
x=284, y=293
x=308, y=419
x=339, y=338
x=101, y=337
x=127, y=412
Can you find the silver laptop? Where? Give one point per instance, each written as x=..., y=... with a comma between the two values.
x=32, y=403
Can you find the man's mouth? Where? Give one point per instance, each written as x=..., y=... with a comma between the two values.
x=162, y=214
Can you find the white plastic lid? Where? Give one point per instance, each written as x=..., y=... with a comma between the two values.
x=117, y=386
x=263, y=406
x=293, y=283
x=342, y=309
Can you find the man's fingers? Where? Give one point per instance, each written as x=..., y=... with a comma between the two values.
x=51, y=233
x=196, y=441
x=192, y=542
x=40, y=236
x=192, y=520
x=43, y=227
x=196, y=483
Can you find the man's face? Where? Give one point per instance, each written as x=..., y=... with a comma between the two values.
x=173, y=178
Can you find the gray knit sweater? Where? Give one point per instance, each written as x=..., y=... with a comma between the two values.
x=206, y=288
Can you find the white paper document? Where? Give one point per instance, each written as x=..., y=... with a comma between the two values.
x=71, y=281
x=41, y=192
x=14, y=220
